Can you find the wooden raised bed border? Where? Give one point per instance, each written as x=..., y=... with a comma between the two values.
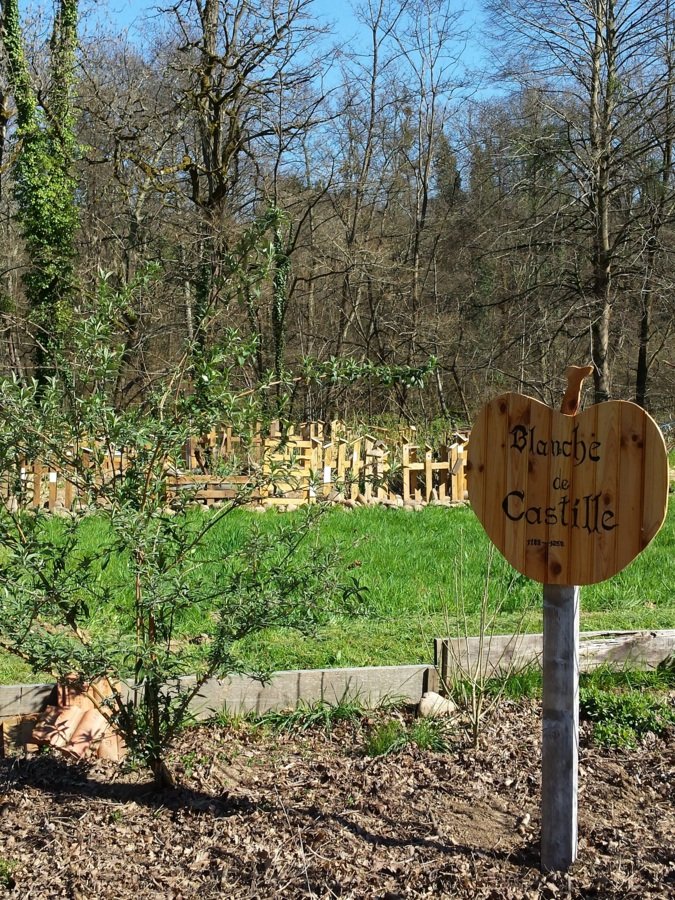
x=511, y=652
x=372, y=685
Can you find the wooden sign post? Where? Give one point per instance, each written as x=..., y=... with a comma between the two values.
x=569, y=500
x=560, y=727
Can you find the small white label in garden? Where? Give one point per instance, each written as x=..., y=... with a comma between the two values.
x=326, y=474
x=52, y=477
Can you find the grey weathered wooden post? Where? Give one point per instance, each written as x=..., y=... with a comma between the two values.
x=560, y=727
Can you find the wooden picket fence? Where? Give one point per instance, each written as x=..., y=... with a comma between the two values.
x=298, y=465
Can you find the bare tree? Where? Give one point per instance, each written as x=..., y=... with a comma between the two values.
x=234, y=66
x=194, y=156
x=595, y=65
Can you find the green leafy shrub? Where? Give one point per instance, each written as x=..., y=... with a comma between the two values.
x=111, y=609
x=623, y=718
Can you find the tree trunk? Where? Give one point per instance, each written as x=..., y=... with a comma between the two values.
x=602, y=103
x=642, y=374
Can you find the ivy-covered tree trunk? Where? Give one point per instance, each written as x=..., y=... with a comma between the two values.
x=44, y=184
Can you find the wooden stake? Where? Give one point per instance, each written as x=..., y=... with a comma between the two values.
x=560, y=727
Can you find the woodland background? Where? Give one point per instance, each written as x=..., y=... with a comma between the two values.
x=405, y=207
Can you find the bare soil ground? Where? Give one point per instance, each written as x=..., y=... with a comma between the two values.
x=263, y=815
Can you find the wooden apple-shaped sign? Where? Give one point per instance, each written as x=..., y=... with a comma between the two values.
x=567, y=499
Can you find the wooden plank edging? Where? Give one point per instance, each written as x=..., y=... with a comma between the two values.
x=501, y=652
x=370, y=685
x=23, y=699
x=238, y=694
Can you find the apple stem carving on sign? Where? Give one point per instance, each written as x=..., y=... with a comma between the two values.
x=569, y=498
x=572, y=398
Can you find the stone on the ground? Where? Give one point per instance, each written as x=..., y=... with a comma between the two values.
x=433, y=705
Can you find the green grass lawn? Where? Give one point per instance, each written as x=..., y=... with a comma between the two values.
x=425, y=573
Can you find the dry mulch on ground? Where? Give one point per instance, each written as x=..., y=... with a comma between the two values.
x=259, y=814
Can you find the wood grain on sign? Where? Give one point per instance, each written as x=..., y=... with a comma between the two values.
x=539, y=475
x=567, y=499
x=493, y=424
x=581, y=511
x=517, y=474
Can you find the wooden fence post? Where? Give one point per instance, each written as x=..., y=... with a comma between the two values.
x=355, y=470
x=340, y=464
x=457, y=471
x=368, y=467
x=444, y=488
x=53, y=489
x=37, y=483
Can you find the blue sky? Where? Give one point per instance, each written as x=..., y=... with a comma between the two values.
x=137, y=16
x=134, y=13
